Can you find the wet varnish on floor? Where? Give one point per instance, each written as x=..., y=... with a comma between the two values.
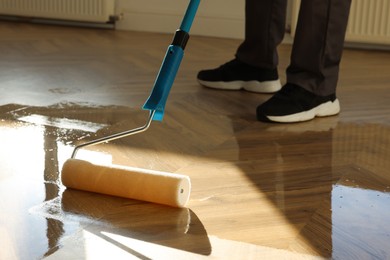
x=319, y=189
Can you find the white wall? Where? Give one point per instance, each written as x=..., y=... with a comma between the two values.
x=220, y=18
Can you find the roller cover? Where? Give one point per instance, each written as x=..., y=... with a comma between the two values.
x=128, y=182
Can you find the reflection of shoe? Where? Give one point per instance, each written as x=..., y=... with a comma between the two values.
x=326, y=124
x=235, y=75
x=295, y=104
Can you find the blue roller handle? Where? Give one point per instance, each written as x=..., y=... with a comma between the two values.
x=170, y=65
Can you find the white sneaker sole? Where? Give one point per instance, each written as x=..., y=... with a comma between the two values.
x=326, y=109
x=252, y=86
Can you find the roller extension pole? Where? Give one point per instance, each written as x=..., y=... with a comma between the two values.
x=170, y=64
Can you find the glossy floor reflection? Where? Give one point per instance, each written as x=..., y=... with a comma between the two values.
x=313, y=190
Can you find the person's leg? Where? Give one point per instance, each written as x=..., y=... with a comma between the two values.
x=318, y=45
x=265, y=23
x=313, y=73
x=255, y=66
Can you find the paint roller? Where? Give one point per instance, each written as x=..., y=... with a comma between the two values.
x=135, y=183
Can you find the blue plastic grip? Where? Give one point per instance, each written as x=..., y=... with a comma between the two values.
x=164, y=81
x=169, y=68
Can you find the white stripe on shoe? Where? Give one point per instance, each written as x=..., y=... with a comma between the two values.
x=326, y=109
x=252, y=86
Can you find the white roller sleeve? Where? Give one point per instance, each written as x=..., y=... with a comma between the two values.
x=128, y=182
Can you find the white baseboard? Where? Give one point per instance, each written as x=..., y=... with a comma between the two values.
x=205, y=26
x=165, y=17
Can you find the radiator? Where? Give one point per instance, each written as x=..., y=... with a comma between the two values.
x=73, y=10
x=369, y=21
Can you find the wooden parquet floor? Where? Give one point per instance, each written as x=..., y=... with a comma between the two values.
x=313, y=190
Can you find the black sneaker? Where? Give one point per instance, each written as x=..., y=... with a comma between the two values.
x=235, y=75
x=295, y=104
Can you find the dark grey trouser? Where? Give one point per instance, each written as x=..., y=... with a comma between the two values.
x=318, y=42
